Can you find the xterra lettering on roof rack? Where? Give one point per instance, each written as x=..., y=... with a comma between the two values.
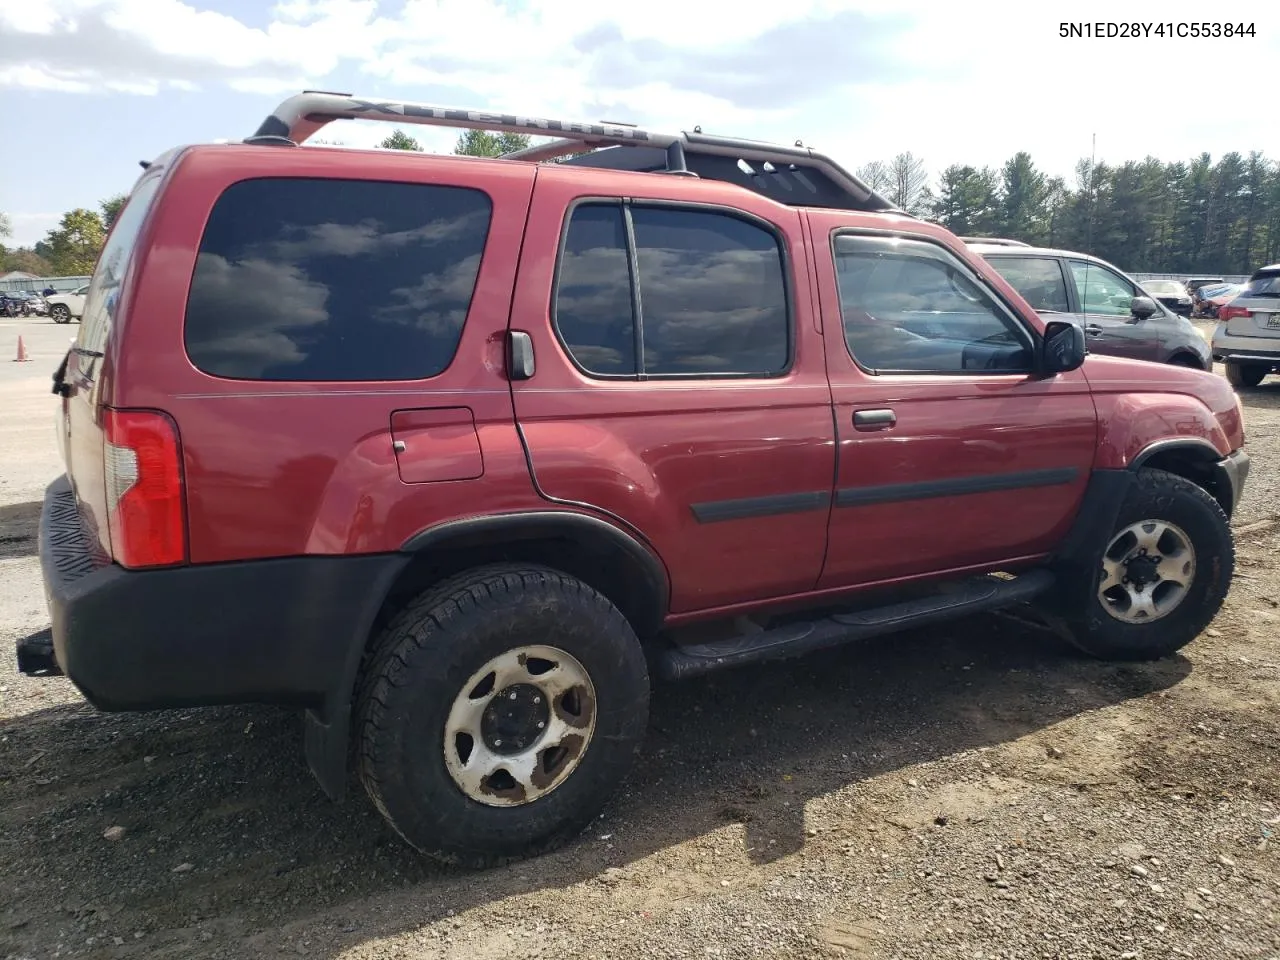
x=793, y=175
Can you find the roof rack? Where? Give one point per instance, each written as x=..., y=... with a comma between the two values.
x=995, y=241
x=796, y=176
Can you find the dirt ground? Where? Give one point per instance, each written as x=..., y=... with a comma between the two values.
x=975, y=791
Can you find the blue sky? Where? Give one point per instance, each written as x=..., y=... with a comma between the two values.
x=90, y=87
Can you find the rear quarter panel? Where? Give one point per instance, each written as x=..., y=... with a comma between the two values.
x=289, y=468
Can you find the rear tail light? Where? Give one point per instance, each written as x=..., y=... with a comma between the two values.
x=144, y=489
x=1228, y=312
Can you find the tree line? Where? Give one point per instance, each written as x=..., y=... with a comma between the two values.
x=68, y=250
x=1144, y=216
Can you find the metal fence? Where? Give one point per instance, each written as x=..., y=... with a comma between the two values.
x=1184, y=277
x=61, y=284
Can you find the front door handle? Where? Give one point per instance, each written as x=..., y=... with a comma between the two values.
x=1093, y=329
x=873, y=419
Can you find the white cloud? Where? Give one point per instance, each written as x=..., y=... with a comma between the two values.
x=861, y=79
x=30, y=227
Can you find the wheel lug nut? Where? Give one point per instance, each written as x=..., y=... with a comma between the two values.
x=541, y=724
x=511, y=695
x=497, y=743
x=537, y=699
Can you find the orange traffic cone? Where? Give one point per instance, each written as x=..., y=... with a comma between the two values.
x=22, y=352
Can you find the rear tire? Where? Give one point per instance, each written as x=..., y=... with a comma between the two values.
x=1190, y=540
x=472, y=654
x=1246, y=374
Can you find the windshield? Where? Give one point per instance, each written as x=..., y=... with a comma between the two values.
x=1265, y=285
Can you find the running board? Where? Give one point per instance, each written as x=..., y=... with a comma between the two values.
x=795, y=639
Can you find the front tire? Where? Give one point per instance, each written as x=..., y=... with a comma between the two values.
x=1159, y=579
x=498, y=713
x=60, y=313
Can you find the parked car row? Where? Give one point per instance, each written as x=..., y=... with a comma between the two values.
x=22, y=303
x=59, y=307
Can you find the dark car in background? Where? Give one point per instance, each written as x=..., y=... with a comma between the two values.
x=14, y=303
x=1247, y=338
x=1118, y=317
x=1171, y=293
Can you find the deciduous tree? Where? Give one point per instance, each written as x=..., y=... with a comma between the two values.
x=76, y=242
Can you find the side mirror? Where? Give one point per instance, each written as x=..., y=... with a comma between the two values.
x=1142, y=307
x=1064, y=347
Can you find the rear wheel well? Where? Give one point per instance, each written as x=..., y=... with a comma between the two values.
x=1196, y=464
x=1186, y=360
x=616, y=572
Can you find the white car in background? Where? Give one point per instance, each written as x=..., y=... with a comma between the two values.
x=64, y=306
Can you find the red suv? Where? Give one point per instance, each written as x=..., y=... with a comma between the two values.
x=456, y=453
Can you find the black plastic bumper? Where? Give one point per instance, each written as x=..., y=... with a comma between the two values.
x=273, y=631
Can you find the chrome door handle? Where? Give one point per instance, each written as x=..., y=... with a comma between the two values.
x=873, y=419
x=1093, y=329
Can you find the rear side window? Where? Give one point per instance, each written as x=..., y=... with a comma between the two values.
x=314, y=279
x=1038, y=279
x=103, y=291
x=658, y=291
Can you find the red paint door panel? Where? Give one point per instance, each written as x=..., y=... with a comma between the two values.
x=436, y=444
x=702, y=420
x=951, y=455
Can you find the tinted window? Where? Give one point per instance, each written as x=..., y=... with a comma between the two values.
x=103, y=290
x=712, y=294
x=908, y=305
x=1102, y=291
x=1038, y=279
x=593, y=293
x=1263, y=285
x=301, y=279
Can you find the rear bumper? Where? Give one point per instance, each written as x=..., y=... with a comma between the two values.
x=1245, y=349
x=275, y=631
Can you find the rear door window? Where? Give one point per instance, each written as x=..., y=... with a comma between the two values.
x=1038, y=279
x=335, y=280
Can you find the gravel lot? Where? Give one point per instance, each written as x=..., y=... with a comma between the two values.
x=973, y=791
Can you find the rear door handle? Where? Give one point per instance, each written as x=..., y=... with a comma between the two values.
x=873, y=419
x=1093, y=329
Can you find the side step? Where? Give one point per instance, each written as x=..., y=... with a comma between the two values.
x=36, y=657
x=794, y=639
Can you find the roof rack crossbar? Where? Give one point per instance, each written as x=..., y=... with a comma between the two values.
x=301, y=115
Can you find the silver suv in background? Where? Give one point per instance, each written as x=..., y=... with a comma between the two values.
x=1118, y=317
x=1247, y=337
